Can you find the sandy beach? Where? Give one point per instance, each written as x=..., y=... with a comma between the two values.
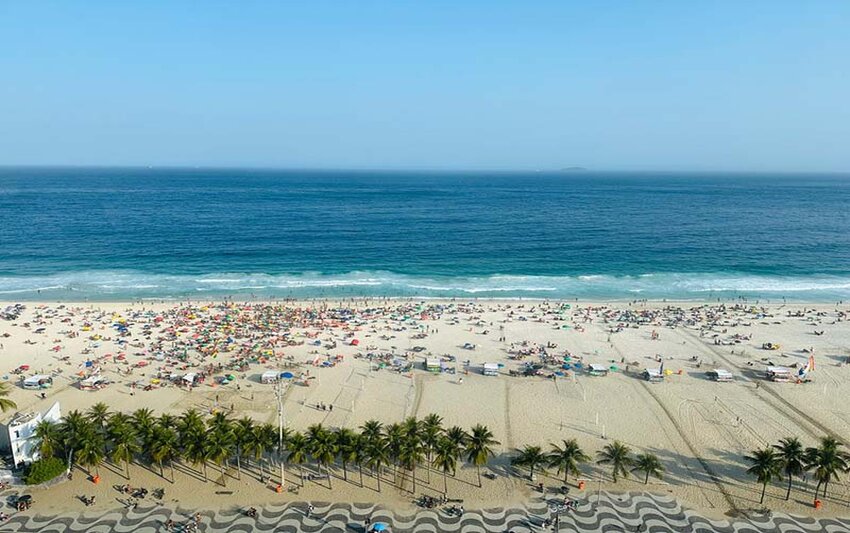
x=359, y=360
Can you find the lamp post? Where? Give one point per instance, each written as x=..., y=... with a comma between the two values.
x=280, y=422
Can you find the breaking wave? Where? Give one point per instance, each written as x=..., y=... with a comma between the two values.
x=119, y=285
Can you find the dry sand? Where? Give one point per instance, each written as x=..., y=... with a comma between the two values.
x=700, y=429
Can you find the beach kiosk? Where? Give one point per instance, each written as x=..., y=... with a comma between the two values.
x=720, y=375
x=598, y=370
x=432, y=364
x=270, y=376
x=653, y=375
x=779, y=374
x=39, y=381
x=490, y=369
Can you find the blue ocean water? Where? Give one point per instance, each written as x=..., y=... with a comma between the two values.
x=171, y=233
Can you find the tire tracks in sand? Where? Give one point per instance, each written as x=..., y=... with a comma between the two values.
x=803, y=420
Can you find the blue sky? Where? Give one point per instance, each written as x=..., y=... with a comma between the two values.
x=739, y=85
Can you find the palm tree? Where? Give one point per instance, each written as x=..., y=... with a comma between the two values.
x=377, y=455
x=458, y=436
x=372, y=431
x=649, y=464
x=218, y=447
x=360, y=454
x=346, y=442
x=394, y=438
x=47, y=437
x=566, y=458
x=322, y=446
x=765, y=466
x=793, y=458
x=479, y=447
x=144, y=422
x=99, y=414
x=6, y=403
x=124, y=440
x=72, y=429
x=826, y=461
x=445, y=458
x=89, y=447
x=431, y=428
x=297, y=446
x=411, y=455
x=164, y=446
x=617, y=455
x=243, y=434
x=192, y=432
x=530, y=457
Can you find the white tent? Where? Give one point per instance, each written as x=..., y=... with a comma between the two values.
x=270, y=376
x=491, y=369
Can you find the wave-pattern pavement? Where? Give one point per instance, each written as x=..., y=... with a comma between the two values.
x=612, y=512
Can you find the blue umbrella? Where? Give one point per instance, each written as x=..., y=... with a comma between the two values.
x=380, y=526
x=287, y=375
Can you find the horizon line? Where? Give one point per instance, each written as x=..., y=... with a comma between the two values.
x=564, y=170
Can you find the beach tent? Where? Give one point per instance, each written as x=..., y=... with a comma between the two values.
x=720, y=375
x=39, y=381
x=93, y=383
x=190, y=378
x=597, y=370
x=270, y=376
x=490, y=369
x=653, y=374
x=432, y=364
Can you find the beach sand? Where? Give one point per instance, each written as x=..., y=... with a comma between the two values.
x=700, y=429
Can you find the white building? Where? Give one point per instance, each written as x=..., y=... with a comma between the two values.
x=16, y=435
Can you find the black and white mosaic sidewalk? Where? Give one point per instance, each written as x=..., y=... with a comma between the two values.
x=615, y=513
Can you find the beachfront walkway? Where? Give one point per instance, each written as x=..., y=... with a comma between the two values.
x=617, y=513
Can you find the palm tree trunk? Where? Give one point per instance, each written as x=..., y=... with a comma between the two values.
x=161, y=471
x=344, y=472
x=763, y=489
x=788, y=493
x=478, y=471
x=221, y=470
x=379, y=478
x=360, y=466
x=238, y=464
x=205, y=471
x=328, y=470
x=646, y=480
x=172, y=470
x=445, y=483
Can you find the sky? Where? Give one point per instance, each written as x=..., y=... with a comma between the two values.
x=760, y=85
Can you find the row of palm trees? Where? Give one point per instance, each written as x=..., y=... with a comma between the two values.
x=86, y=439
x=790, y=458
x=568, y=456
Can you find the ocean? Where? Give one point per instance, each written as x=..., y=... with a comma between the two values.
x=116, y=234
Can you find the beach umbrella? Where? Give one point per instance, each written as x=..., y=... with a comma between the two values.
x=287, y=375
x=380, y=526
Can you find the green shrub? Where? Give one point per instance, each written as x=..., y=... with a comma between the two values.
x=44, y=470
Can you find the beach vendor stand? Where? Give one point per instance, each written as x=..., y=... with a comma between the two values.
x=720, y=375
x=490, y=369
x=270, y=377
x=779, y=374
x=432, y=364
x=39, y=381
x=597, y=370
